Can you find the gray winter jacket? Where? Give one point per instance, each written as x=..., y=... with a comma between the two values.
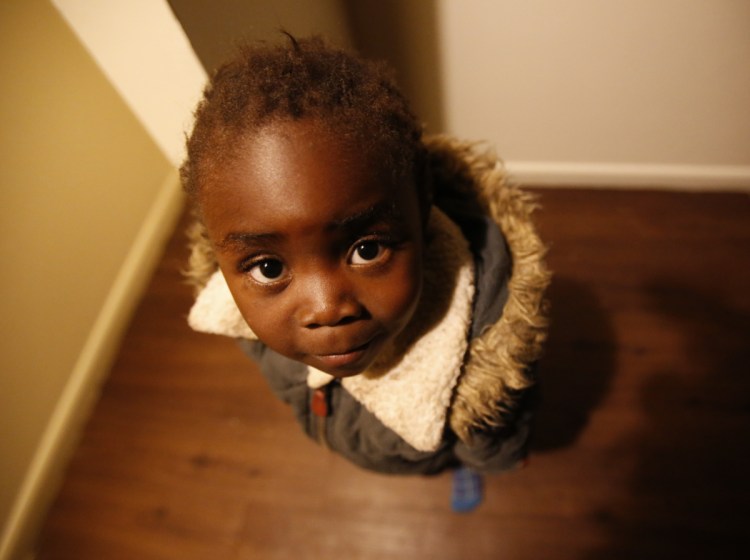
x=486, y=418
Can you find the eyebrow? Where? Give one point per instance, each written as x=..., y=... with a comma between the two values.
x=243, y=239
x=382, y=212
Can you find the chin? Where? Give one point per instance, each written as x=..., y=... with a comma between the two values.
x=340, y=370
x=349, y=364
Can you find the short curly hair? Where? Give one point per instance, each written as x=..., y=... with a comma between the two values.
x=302, y=78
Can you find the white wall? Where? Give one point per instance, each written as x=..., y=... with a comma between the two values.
x=636, y=92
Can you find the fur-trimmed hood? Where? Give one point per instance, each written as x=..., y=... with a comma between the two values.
x=496, y=369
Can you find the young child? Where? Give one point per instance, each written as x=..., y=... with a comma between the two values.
x=390, y=287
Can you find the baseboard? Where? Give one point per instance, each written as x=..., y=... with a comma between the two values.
x=45, y=473
x=637, y=176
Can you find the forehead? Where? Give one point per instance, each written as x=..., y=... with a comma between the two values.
x=305, y=171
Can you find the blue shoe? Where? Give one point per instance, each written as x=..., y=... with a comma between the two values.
x=467, y=492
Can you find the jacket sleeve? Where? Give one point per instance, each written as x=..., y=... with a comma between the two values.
x=504, y=448
x=497, y=450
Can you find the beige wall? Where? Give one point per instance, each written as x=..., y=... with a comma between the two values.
x=144, y=53
x=634, y=93
x=404, y=33
x=619, y=85
x=78, y=175
x=215, y=28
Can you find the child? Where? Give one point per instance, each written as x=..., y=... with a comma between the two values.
x=390, y=287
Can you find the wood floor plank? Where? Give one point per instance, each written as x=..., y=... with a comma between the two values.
x=641, y=447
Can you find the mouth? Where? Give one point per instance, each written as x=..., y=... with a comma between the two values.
x=348, y=360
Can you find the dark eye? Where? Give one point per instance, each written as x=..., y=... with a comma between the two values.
x=267, y=271
x=367, y=251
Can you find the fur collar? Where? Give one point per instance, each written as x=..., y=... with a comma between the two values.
x=497, y=369
x=410, y=386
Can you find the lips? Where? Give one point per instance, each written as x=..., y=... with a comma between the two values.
x=349, y=351
x=350, y=361
x=337, y=342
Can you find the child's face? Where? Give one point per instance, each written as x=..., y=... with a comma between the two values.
x=320, y=246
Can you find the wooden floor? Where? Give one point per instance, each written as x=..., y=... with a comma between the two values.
x=641, y=448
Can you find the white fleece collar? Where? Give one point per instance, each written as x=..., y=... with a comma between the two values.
x=409, y=388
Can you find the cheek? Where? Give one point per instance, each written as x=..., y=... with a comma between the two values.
x=394, y=301
x=267, y=321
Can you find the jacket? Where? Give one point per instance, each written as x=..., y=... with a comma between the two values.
x=461, y=393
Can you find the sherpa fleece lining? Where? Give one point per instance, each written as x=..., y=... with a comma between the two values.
x=409, y=388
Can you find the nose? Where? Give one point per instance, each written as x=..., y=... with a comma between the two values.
x=328, y=301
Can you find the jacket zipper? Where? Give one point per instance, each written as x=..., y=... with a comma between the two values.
x=321, y=408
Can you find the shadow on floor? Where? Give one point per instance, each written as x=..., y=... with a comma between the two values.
x=688, y=494
x=578, y=365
